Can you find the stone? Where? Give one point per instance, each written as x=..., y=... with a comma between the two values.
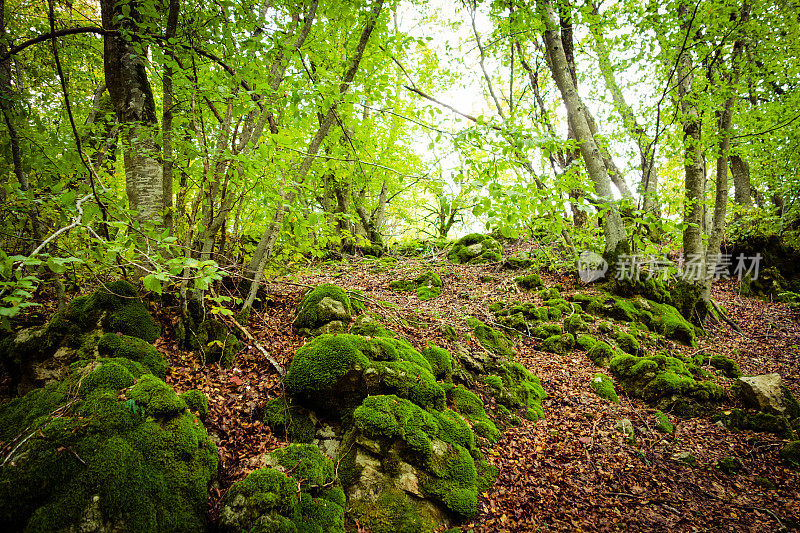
x=685, y=458
x=329, y=310
x=762, y=392
x=474, y=250
x=625, y=427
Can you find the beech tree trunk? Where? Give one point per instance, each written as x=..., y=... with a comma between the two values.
x=740, y=170
x=126, y=78
x=613, y=228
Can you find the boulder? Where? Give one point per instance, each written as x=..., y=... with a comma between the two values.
x=762, y=392
x=323, y=304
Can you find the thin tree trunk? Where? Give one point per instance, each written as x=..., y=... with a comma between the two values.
x=614, y=230
x=268, y=239
x=166, y=115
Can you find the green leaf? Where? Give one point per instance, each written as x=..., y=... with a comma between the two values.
x=152, y=283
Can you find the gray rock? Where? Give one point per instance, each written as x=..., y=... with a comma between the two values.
x=474, y=250
x=332, y=327
x=762, y=392
x=625, y=427
x=685, y=458
x=329, y=309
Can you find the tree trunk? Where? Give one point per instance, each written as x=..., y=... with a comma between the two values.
x=270, y=235
x=614, y=230
x=741, y=181
x=124, y=61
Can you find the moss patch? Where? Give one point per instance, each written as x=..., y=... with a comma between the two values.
x=663, y=424
x=150, y=473
x=312, y=315
x=739, y=419
x=427, y=285
x=491, y=339
x=530, y=282
x=559, y=344
x=475, y=248
x=339, y=371
x=289, y=421
x=726, y=365
x=135, y=349
x=296, y=492
x=665, y=382
x=603, y=386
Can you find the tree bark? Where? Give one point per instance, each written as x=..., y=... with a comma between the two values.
x=740, y=170
x=126, y=78
x=613, y=228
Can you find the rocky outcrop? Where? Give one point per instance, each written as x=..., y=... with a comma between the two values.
x=109, y=446
x=324, y=309
x=37, y=357
x=475, y=248
x=762, y=392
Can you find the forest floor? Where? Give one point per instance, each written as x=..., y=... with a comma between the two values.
x=571, y=471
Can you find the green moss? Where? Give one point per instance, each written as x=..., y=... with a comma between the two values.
x=196, y=401
x=109, y=376
x=739, y=419
x=309, y=314
x=729, y=465
x=337, y=372
x=469, y=406
x=605, y=327
x=629, y=344
x=425, y=293
x=604, y=387
x=491, y=339
x=664, y=381
x=369, y=326
x=663, y=424
x=475, y=248
x=156, y=397
x=791, y=454
x=547, y=330
x=494, y=381
x=520, y=388
x=559, y=344
x=586, y=342
x=135, y=349
x=402, y=285
x=530, y=282
x=727, y=365
x=389, y=417
x=148, y=474
x=574, y=324
x=305, y=462
x=288, y=420
x=517, y=263
x=440, y=360
x=393, y=512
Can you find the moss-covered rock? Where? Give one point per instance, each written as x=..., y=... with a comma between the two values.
x=468, y=405
x=663, y=423
x=295, y=492
x=368, y=325
x=726, y=365
x=601, y=354
x=729, y=465
x=559, y=344
x=439, y=443
x=544, y=331
x=491, y=339
x=628, y=343
x=325, y=303
x=530, y=282
x=440, y=360
x=574, y=324
x=739, y=419
x=289, y=421
x=517, y=263
x=135, y=349
x=35, y=357
x=665, y=382
x=336, y=372
x=791, y=454
x=119, y=458
x=428, y=285
x=603, y=386
x=659, y=317
x=196, y=401
x=586, y=342
x=475, y=248
x=520, y=390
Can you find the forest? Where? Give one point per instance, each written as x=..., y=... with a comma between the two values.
x=399, y=265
